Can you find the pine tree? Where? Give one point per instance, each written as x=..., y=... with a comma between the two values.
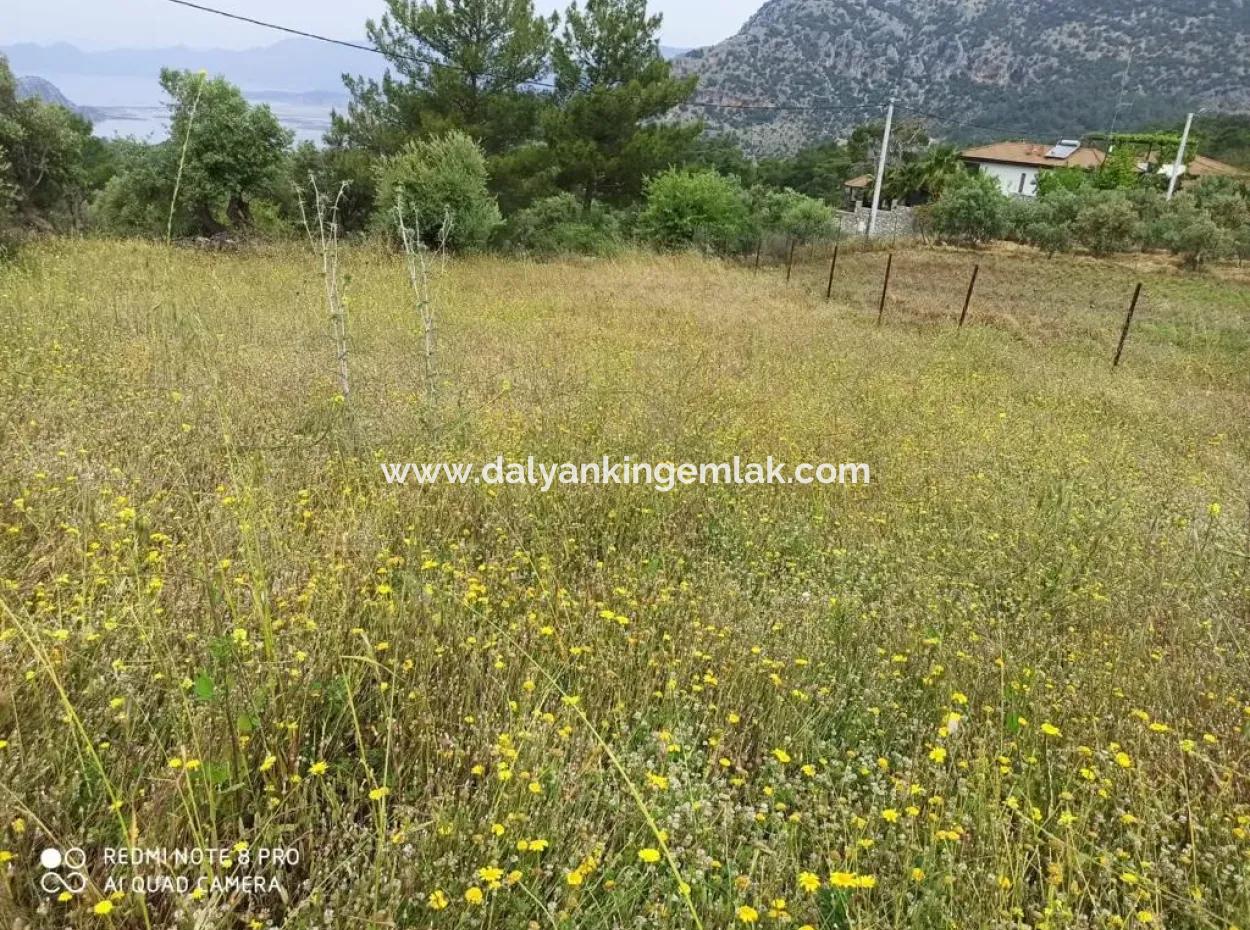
x=613, y=87
x=466, y=65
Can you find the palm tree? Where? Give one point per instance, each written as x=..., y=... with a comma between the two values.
x=924, y=175
x=904, y=181
x=941, y=165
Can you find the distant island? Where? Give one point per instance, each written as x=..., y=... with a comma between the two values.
x=29, y=87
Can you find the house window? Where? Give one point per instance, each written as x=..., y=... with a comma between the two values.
x=1023, y=177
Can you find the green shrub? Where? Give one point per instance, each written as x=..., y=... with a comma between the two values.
x=8, y=205
x=1199, y=240
x=437, y=177
x=1061, y=179
x=1194, y=227
x=1118, y=171
x=1241, y=244
x=135, y=201
x=330, y=167
x=1051, y=238
x=1162, y=231
x=1227, y=208
x=796, y=216
x=971, y=212
x=1107, y=222
x=1062, y=206
x=1039, y=223
x=43, y=147
x=225, y=158
x=270, y=221
x=1019, y=217
x=1150, y=204
x=559, y=225
x=695, y=209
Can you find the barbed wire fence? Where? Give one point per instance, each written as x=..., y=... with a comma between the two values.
x=876, y=288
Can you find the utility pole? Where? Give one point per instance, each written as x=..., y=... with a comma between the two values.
x=1179, y=166
x=876, y=190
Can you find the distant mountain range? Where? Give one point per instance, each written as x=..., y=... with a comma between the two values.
x=803, y=70
x=118, y=89
x=1048, y=69
x=292, y=65
x=314, y=70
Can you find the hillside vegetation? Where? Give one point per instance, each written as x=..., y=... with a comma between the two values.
x=1003, y=685
x=1046, y=68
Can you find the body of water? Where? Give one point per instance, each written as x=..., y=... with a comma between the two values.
x=126, y=106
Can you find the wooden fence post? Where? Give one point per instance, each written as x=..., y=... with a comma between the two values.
x=885, y=288
x=1128, y=322
x=976, y=269
x=833, y=266
x=759, y=250
x=790, y=261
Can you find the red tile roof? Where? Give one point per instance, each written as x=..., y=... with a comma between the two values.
x=1203, y=167
x=1034, y=154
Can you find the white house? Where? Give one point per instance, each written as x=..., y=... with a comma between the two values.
x=1016, y=166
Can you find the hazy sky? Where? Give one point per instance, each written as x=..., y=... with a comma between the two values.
x=146, y=23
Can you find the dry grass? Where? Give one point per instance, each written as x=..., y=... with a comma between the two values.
x=1004, y=686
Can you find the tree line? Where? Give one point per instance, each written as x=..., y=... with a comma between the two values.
x=542, y=133
x=1116, y=209
x=548, y=133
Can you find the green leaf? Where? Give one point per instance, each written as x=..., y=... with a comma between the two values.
x=204, y=689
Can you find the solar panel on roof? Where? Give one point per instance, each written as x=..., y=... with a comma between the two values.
x=1064, y=150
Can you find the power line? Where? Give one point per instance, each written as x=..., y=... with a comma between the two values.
x=1119, y=104
x=966, y=125
x=291, y=31
x=798, y=107
x=359, y=46
x=772, y=107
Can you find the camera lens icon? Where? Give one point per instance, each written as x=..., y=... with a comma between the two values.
x=73, y=881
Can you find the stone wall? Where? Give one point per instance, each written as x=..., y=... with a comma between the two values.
x=897, y=223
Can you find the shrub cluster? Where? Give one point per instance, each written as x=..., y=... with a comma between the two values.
x=713, y=212
x=228, y=167
x=560, y=224
x=440, y=179
x=8, y=204
x=1209, y=222
x=970, y=212
x=695, y=209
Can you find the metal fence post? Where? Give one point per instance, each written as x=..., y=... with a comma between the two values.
x=1128, y=322
x=976, y=269
x=885, y=288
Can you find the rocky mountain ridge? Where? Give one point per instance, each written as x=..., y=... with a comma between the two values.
x=988, y=68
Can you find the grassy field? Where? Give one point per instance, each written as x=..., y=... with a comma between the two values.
x=1007, y=685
